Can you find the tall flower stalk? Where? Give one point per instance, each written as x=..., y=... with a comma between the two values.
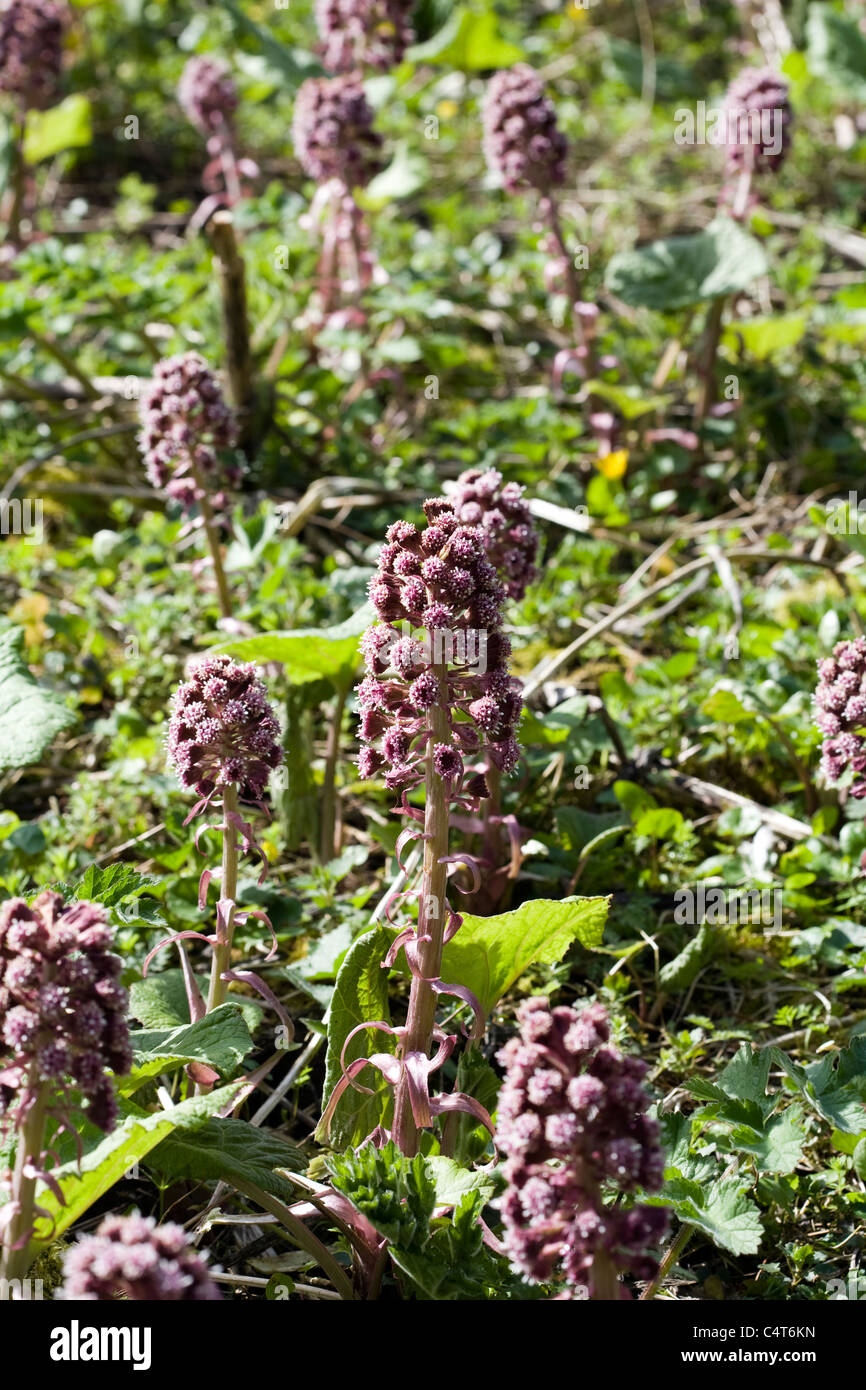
x=337, y=146
x=62, y=1016
x=209, y=99
x=223, y=742
x=436, y=701
x=187, y=431
x=757, y=123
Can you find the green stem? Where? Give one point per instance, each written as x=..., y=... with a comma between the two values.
x=222, y=952
x=431, y=918
x=684, y=1235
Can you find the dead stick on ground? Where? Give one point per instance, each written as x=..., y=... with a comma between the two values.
x=231, y=274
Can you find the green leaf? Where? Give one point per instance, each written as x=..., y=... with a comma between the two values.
x=453, y=1181
x=221, y=1040
x=106, y=1158
x=720, y=1209
x=309, y=654
x=836, y=50
x=160, y=1001
x=292, y=63
x=406, y=173
x=685, y=270
x=663, y=823
x=229, y=1150
x=110, y=886
x=468, y=40
x=680, y=972
x=764, y=337
x=835, y=1086
x=726, y=707
x=629, y=401
x=65, y=127
x=778, y=1147
x=30, y=716
x=489, y=954
x=360, y=996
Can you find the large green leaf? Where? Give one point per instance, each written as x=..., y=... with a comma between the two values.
x=360, y=996
x=309, y=654
x=65, y=127
x=836, y=49
x=107, y=1157
x=468, y=40
x=684, y=270
x=221, y=1040
x=489, y=954
x=721, y=1209
x=229, y=1150
x=30, y=716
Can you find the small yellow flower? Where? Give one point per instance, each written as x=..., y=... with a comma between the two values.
x=613, y=466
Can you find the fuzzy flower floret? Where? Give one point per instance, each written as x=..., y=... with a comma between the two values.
x=223, y=730
x=207, y=94
x=354, y=32
x=522, y=140
x=840, y=712
x=31, y=50
x=440, y=640
x=332, y=130
x=758, y=119
x=62, y=1010
x=571, y=1121
x=132, y=1257
x=184, y=423
x=481, y=499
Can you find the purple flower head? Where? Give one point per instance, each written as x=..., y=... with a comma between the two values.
x=332, y=130
x=222, y=729
x=375, y=32
x=458, y=663
x=207, y=94
x=132, y=1257
x=757, y=126
x=571, y=1100
x=31, y=50
x=62, y=1012
x=840, y=712
x=522, y=141
x=184, y=423
x=504, y=522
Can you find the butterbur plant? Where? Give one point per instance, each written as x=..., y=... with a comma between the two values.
x=187, y=437
x=63, y=1026
x=132, y=1257
x=356, y=33
x=525, y=147
x=337, y=146
x=208, y=97
x=31, y=57
x=757, y=130
x=437, y=700
x=223, y=742
x=573, y=1127
x=840, y=713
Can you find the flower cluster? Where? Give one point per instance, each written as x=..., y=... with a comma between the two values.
x=757, y=120
x=184, y=422
x=438, y=578
x=571, y=1118
x=62, y=1010
x=31, y=50
x=479, y=498
x=332, y=130
x=222, y=729
x=375, y=32
x=207, y=94
x=132, y=1257
x=840, y=701
x=522, y=141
